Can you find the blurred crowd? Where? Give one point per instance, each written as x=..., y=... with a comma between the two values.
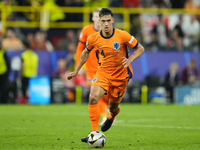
x=156, y=32
x=187, y=76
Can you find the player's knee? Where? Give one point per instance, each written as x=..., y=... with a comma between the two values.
x=93, y=99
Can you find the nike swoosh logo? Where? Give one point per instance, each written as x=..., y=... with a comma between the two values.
x=99, y=46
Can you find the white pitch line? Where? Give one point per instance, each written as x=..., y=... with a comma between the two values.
x=147, y=120
x=162, y=127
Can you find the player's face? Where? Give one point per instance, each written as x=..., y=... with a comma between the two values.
x=106, y=23
x=95, y=18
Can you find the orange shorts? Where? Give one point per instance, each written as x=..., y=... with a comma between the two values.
x=89, y=77
x=114, y=88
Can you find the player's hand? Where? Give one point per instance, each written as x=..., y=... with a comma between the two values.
x=70, y=75
x=126, y=62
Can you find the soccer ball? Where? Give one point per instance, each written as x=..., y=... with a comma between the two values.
x=96, y=139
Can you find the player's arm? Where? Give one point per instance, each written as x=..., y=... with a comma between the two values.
x=79, y=50
x=139, y=50
x=130, y=41
x=83, y=58
x=81, y=44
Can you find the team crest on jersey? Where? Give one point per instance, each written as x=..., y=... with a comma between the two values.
x=94, y=80
x=116, y=46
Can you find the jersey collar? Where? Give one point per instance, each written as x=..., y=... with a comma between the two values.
x=109, y=36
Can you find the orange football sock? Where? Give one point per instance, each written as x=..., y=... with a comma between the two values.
x=112, y=116
x=102, y=106
x=94, y=113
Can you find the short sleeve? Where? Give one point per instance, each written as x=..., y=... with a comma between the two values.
x=89, y=43
x=130, y=40
x=83, y=36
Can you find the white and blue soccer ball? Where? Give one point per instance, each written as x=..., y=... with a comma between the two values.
x=96, y=139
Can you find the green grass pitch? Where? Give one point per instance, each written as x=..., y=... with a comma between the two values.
x=137, y=127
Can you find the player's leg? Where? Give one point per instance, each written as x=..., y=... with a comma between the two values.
x=90, y=75
x=103, y=111
x=114, y=110
x=99, y=86
x=96, y=92
x=116, y=92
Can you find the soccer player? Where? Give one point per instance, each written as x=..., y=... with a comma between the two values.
x=92, y=64
x=114, y=69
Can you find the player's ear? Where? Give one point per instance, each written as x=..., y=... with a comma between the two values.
x=112, y=20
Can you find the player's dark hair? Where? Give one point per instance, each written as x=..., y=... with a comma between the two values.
x=105, y=11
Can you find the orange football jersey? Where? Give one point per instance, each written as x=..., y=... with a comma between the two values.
x=91, y=64
x=111, y=51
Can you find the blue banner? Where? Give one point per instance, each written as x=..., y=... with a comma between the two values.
x=40, y=91
x=187, y=95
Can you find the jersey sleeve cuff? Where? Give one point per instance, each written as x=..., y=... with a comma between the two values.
x=136, y=45
x=81, y=42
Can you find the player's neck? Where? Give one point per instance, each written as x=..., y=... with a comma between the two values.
x=107, y=34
